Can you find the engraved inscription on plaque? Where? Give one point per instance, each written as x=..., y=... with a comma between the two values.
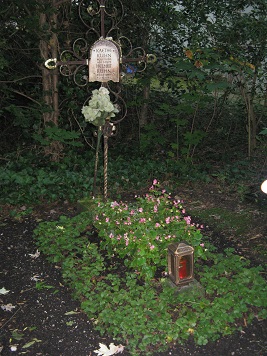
x=104, y=62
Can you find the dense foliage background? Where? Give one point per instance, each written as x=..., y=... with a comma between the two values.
x=200, y=107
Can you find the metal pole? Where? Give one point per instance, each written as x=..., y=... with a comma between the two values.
x=102, y=13
x=106, y=133
x=99, y=134
x=105, y=167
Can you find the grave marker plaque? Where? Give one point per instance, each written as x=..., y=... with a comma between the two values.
x=104, y=64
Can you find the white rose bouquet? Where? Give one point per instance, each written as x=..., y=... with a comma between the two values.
x=100, y=107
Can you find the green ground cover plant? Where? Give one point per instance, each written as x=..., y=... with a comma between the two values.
x=113, y=256
x=30, y=178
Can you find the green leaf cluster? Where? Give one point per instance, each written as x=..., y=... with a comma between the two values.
x=150, y=314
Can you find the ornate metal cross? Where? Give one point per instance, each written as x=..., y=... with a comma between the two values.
x=102, y=62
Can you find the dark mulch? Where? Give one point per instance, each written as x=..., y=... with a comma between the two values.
x=40, y=322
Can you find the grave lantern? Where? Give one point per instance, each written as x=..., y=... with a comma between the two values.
x=180, y=263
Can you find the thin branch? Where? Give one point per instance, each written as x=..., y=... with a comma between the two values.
x=26, y=96
x=10, y=318
x=82, y=131
x=60, y=2
x=18, y=80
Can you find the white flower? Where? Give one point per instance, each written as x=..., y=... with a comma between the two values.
x=100, y=107
x=103, y=91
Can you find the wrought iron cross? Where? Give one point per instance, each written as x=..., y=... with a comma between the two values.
x=75, y=62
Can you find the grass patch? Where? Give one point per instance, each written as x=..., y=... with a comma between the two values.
x=222, y=219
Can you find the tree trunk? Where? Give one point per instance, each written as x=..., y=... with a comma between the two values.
x=49, y=49
x=143, y=121
x=252, y=124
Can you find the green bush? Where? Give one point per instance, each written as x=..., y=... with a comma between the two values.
x=140, y=233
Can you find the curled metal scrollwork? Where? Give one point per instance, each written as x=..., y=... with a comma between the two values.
x=92, y=13
x=74, y=62
x=97, y=16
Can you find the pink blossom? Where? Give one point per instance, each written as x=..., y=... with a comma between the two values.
x=155, y=208
x=132, y=212
x=128, y=222
x=168, y=237
x=183, y=211
x=151, y=247
x=111, y=235
x=140, y=210
x=168, y=220
x=155, y=182
x=97, y=217
x=157, y=224
x=107, y=219
x=202, y=245
x=142, y=220
x=114, y=203
x=187, y=219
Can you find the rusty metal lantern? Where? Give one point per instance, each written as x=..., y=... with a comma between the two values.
x=180, y=263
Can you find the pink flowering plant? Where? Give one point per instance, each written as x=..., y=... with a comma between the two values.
x=140, y=232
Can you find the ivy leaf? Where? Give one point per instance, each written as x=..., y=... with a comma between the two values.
x=29, y=344
x=263, y=132
x=71, y=312
x=16, y=335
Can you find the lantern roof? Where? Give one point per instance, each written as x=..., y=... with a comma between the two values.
x=180, y=248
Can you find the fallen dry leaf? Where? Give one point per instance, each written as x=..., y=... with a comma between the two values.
x=8, y=307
